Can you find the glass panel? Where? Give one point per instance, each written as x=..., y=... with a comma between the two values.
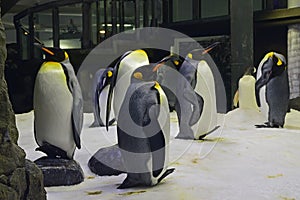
x=43, y=27
x=70, y=26
x=24, y=38
x=101, y=21
x=257, y=5
x=95, y=12
x=182, y=10
x=129, y=15
x=214, y=8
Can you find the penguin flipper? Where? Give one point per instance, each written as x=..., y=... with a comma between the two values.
x=197, y=101
x=268, y=125
x=77, y=107
x=129, y=183
x=98, y=80
x=77, y=115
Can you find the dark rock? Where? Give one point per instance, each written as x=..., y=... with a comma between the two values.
x=60, y=172
x=107, y=162
x=11, y=158
x=18, y=182
x=7, y=192
x=34, y=176
x=295, y=103
x=14, y=182
x=4, y=179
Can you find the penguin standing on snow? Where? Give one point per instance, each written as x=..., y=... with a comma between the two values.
x=272, y=89
x=199, y=75
x=143, y=129
x=245, y=95
x=58, y=106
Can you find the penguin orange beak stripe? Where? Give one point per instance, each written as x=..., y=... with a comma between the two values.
x=158, y=66
x=48, y=51
x=210, y=47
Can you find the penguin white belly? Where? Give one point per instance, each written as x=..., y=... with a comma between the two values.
x=205, y=87
x=130, y=63
x=264, y=107
x=247, y=99
x=164, y=122
x=53, y=110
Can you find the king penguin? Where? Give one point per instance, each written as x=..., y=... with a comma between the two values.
x=244, y=97
x=199, y=74
x=58, y=106
x=143, y=130
x=272, y=89
x=102, y=80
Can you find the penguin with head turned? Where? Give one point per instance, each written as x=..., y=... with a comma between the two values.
x=272, y=89
x=58, y=106
x=143, y=130
x=102, y=81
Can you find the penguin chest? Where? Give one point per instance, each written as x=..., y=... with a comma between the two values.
x=205, y=87
x=53, y=108
x=247, y=99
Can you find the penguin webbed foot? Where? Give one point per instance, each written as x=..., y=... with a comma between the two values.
x=129, y=182
x=268, y=125
x=202, y=137
x=167, y=172
x=97, y=124
x=52, y=151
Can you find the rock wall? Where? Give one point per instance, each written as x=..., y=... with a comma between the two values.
x=294, y=60
x=19, y=178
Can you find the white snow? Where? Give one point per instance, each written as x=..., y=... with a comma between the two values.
x=237, y=161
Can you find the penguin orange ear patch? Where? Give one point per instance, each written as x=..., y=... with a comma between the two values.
x=176, y=62
x=138, y=75
x=279, y=63
x=109, y=74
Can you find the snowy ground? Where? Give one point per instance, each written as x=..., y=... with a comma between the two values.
x=237, y=161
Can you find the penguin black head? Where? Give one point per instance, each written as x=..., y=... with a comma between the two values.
x=145, y=73
x=279, y=64
x=274, y=65
x=55, y=54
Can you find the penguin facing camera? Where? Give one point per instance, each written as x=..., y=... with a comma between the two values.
x=144, y=130
x=244, y=97
x=272, y=89
x=58, y=106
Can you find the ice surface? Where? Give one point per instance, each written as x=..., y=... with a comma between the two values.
x=237, y=161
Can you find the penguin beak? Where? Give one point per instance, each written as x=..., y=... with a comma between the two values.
x=47, y=51
x=210, y=47
x=99, y=88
